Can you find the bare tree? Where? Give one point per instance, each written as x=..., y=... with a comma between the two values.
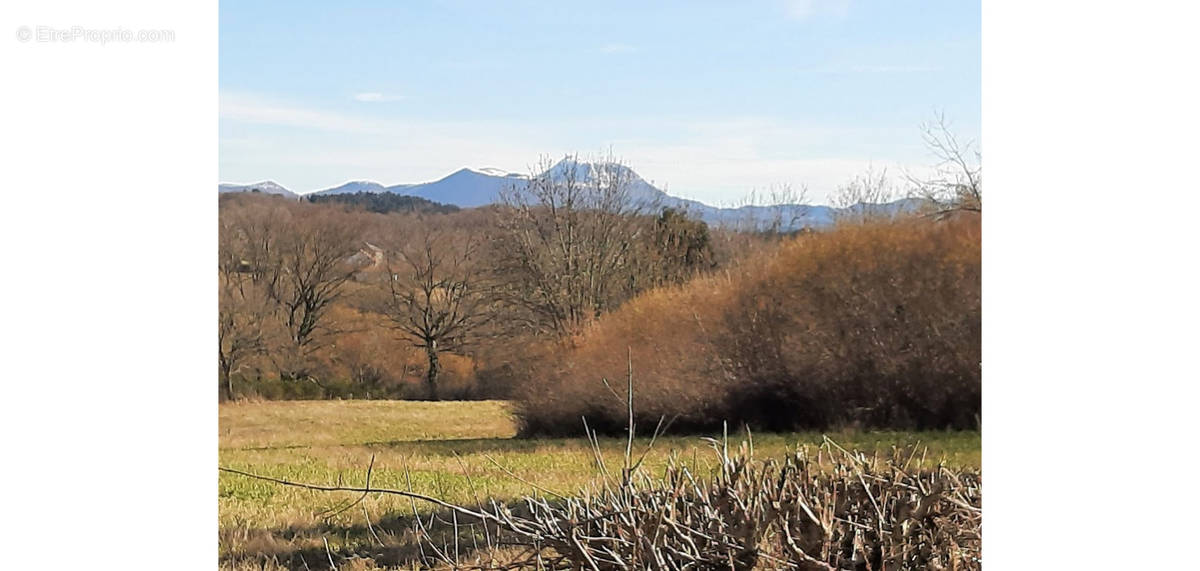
x=309, y=272
x=254, y=229
x=243, y=306
x=297, y=257
x=242, y=331
x=438, y=296
x=864, y=198
x=568, y=238
x=779, y=209
x=956, y=184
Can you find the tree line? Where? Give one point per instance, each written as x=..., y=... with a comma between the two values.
x=299, y=281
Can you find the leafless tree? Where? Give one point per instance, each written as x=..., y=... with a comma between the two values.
x=253, y=230
x=242, y=333
x=297, y=257
x=309, y=273
x=956, y=184
x=438, y=296
x=778, y=209
x=862, y=199
x=568, y=238
x=243, y=307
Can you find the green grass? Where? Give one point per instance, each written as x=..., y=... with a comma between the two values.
x=444, y=449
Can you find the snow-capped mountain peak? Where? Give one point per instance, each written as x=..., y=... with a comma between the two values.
x=266, y=186
x=586, y=170
x=489, y=171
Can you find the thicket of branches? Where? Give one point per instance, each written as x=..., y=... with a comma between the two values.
x=576, y=242
x=956, y=184
x=281, y=270
x=873, y=324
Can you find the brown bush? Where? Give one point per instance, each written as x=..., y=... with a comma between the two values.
x=667, y=334
x=876, y=325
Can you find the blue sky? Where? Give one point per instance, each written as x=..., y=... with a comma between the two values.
x=709, y=100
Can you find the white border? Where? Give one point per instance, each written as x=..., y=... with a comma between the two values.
x=1089, y=286
x=108, y=409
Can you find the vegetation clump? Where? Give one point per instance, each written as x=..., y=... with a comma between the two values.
x=830, y=510
x=872, y=325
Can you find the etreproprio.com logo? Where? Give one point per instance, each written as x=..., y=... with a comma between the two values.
x=81, y=34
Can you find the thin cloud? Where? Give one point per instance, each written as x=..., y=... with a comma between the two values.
x=617, y=49
x=250, y=108
x=892, y=69
x=376, y=97
x=851, y=69
x=801, y=10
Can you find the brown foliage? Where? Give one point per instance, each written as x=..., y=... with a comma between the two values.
x=308, y=309
x=875, y=325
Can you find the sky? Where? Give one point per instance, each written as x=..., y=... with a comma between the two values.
x=710, y=101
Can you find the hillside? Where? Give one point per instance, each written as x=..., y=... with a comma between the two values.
x=384, y=202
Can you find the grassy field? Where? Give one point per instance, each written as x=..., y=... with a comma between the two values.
x=451, y=450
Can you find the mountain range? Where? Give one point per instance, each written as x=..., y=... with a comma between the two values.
x=468, y=188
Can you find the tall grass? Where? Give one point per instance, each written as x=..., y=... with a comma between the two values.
x=873, y=325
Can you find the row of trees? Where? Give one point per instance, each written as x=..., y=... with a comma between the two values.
x=554, y=255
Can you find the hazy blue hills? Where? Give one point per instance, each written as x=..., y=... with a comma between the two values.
x=468, y=188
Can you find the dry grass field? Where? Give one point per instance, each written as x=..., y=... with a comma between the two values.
x=463, y=452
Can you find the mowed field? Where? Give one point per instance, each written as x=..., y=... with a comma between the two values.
x=463, y=452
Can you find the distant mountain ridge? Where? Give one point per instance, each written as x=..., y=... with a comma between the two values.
x=469, y=188
x=352, y=187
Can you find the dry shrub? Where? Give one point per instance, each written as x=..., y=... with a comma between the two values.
x=823, y=511
x=668, y=336
x=877, y=325
x=873, y=325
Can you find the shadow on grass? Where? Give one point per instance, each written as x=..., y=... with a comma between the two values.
x=964, y=443
x=392, y=542
x=443, y=446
